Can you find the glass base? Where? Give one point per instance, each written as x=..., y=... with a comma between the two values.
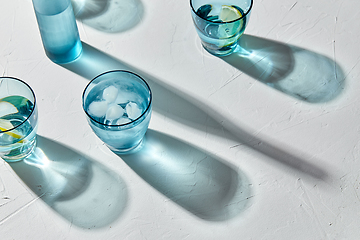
x=222, y=51
x=127, y=150
x=21, y=156
x=67, y=57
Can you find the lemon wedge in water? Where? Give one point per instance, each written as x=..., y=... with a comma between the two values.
x=229, y=13
x=7, y=108
x=6, y=125
x=232, y=26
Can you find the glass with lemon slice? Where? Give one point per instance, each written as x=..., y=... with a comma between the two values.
x=18, y=119
x=220, y=24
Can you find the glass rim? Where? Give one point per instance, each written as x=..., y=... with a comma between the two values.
x=32, y=111
x=243, y=16
x=124, y=124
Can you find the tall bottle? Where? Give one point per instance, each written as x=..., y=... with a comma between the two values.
x=58, y=29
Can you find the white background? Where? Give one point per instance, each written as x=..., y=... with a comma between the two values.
x=227, y=156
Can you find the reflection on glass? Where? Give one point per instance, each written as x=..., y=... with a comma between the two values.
x=300, y=73
x=82, y=191
x=199, y=182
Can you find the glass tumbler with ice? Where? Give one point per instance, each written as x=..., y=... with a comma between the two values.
x=220, y=24
x=18, y=119
x=118, y=107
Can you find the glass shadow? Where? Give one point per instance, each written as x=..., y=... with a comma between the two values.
x=298, y=72
x=110, y=16
x=80, y=190
x=187, y=110
x=201, y=183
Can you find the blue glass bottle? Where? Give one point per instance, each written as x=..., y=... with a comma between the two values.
x=58, y=29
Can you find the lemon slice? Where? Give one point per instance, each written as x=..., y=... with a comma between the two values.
x=7, y=108
x=229, y=13
x=6, y=125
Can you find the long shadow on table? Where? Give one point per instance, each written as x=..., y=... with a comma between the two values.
x=298, y=72
x=82, y=191
x=109, y=15
x=199, y=182
x=166, y=100
x=188, y=110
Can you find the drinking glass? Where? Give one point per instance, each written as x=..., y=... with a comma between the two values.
x=220, y=24
x=118, y=107
x=18, y=119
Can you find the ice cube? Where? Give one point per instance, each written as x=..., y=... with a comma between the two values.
x=98, y=108
x=123, y=98
x=133, y=110
x=123, y=120
x=110, y=93
x=114, y=111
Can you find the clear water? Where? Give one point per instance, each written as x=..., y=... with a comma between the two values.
x=217, y=36
x=18, y=143
x=60, y=35
x=120, y=137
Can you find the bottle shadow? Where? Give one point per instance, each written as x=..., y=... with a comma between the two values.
x=93, y=62
x=110, y=16
x=298, y=72
x=80, y=190
x=187, y=110
x=201, y=183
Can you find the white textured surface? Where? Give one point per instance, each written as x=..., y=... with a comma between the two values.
x=226, y=156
